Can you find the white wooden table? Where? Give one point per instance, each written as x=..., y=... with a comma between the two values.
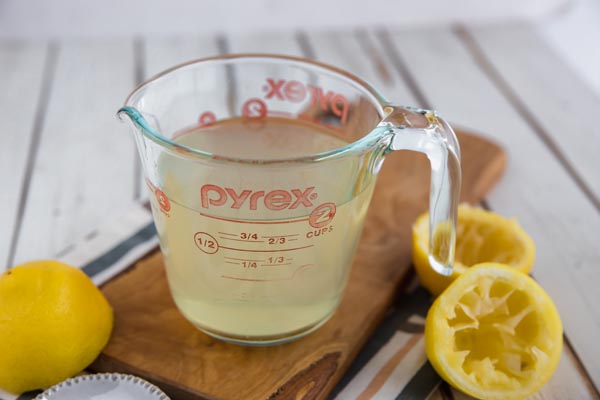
x=66, y=164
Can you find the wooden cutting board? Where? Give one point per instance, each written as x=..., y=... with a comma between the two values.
x=152, y=339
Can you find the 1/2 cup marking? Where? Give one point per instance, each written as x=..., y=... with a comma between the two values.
x=206, y=243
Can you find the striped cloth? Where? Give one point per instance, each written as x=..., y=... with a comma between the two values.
x=392, y=364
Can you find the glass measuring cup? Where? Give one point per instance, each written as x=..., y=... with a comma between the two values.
x=261, y=169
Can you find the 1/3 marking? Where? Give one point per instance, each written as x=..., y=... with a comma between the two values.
x=276, y=260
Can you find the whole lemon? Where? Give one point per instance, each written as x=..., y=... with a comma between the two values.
x=53, y=323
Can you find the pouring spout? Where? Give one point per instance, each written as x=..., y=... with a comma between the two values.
x=138, y=120
x=130, y=112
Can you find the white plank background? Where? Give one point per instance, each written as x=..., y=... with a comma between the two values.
x=284, y=43
x=559, y=104
x=84, y=167
x=21, y=77
x=536, y=189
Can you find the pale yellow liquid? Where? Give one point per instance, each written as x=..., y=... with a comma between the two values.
x=269, y=276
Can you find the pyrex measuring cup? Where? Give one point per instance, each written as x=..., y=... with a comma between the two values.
x=261, y=169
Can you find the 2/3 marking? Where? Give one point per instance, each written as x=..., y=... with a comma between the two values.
x=277, y=240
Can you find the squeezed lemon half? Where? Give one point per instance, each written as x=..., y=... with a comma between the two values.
x=481, y=236
x=494, y=333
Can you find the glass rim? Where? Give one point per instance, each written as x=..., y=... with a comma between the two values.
x=366, y=141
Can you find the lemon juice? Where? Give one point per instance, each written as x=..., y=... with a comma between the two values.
x=257, y=253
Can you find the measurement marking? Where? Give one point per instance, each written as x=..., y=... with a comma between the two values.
x=242, y=240
x=291, y=240
x=289, y=259
x=278, y=236
x=230, y=262
x=266, y=251
x=252, y=280
x=242, y=259
x=228, y=234
x=254, y=222
x=274, y=265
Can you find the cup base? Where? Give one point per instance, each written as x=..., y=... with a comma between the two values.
x=258, y=341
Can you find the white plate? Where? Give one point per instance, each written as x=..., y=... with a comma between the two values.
x=103, y=387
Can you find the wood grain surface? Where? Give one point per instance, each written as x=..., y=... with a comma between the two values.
x=153, y=340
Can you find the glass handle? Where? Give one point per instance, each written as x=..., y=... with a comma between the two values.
x=424, y=131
